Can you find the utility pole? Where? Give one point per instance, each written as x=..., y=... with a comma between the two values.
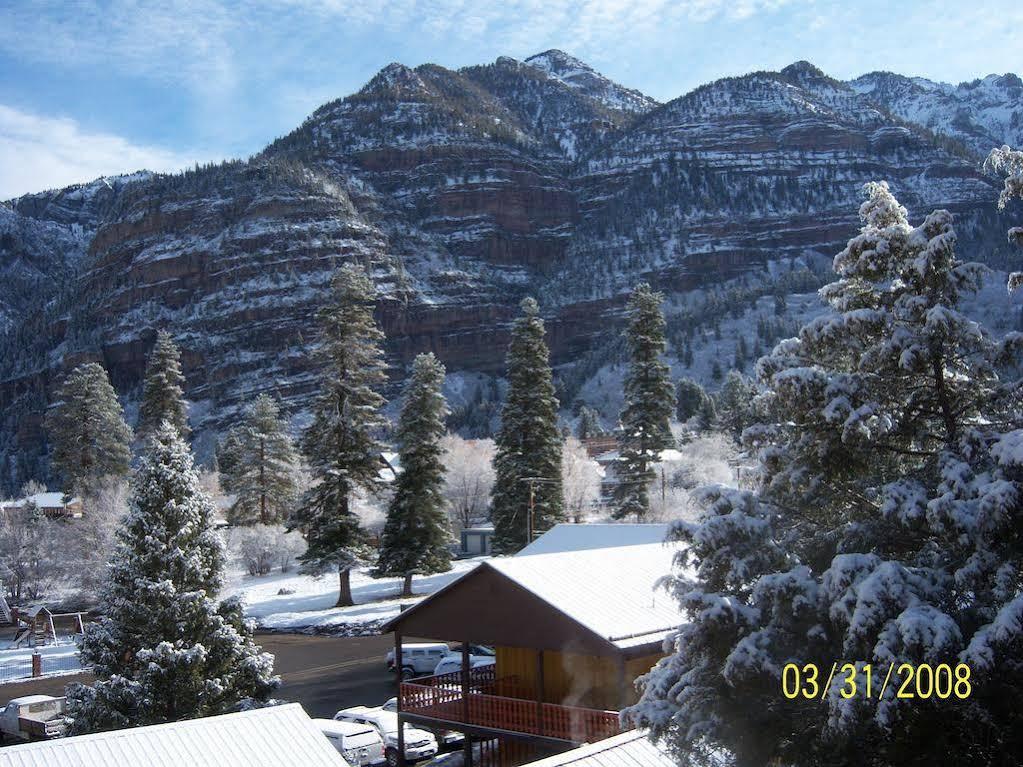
x=533, y=482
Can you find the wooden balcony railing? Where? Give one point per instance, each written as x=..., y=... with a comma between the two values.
x=500, y=704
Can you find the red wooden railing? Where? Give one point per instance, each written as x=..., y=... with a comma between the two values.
x=441, y=698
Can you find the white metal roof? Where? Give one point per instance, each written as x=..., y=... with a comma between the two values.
x=611, y=591
x=279, y=736
x=569, y=537
x=630, y=749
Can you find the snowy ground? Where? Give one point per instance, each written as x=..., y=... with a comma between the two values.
x=311, y=603
x=16, y=663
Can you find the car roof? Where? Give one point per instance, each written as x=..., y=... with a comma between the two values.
x=335, y=727
x=32, y=699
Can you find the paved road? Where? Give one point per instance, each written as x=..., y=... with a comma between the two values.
x=322, y=673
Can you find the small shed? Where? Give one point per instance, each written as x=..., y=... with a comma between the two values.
x=476, y=540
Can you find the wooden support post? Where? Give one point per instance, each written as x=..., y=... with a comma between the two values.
x=622, y=692
x=467, y=743
x=37, y=664
x=539, y=692
x=398, y=665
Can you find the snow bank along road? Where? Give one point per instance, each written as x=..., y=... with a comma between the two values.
x=324, y=674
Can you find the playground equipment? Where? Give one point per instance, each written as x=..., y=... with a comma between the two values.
x=38, y=626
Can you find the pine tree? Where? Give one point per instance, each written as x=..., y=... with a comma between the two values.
x=690, y=399
x=885, y=529
x=649, y=403
x=341, y=444
x=91, y=441
x=734, y=405
x=259, y=464
x=528, y=461
x=164, y=649
x=416, y=534
x=163, y=395
x=589, y=423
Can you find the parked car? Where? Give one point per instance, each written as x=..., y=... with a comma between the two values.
x=453, y=663
x=419, y=744
x=32, y=717
x=418, y=659
x=444, y=737
x=360, y=744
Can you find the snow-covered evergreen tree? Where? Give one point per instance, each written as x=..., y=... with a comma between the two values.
x=885, y=529
x=528, y=460
x=164, y=648
x=734, y=403
x=163, y=393
x=589, y=423
x=649, y=404
x=416, y=534
x=341, y=443
x=1008, y=163
x=86, y=428
x=259, y=465
x=690, y=399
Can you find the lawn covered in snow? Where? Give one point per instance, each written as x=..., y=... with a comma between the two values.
x=16, y=662
x=311, y=601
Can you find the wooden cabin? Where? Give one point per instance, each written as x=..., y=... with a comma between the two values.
x=571, y=630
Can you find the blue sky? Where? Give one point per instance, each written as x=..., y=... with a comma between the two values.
x=91, y=88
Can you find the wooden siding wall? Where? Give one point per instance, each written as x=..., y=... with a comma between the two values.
x=574, y=679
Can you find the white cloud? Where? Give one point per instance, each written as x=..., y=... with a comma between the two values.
x=38, y=153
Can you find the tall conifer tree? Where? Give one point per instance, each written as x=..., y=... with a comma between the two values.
x=649, y=403
x=341, y=443
x=259, y=464
x=90, y=440
x=528, y=460
x=416, y=534
x=164, y=649
x=163, y=394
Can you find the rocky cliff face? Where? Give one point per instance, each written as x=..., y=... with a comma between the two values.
x=461, y=191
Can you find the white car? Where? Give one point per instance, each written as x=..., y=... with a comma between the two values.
x=360, y=744
x=453, y=663
x=418, y=659
x=444, y=737
x=419, y=744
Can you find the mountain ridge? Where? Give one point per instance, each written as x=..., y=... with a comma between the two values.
x=461, y=191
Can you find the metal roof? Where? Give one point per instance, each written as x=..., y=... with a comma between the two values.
x=570, y=537
x=630, y=749
x=611, y=591
x=278, y=736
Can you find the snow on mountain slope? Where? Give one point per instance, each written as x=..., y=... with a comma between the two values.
x=574, y=73
x=981, y=114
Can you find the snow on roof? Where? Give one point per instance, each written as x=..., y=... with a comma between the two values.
x=569, y=537
x=630, y=749
x=609, y=590
x=279, y=736
x=43, y=501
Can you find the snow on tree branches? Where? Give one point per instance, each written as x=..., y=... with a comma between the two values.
x=164, y=649
x=163, y=394
x=885, y=527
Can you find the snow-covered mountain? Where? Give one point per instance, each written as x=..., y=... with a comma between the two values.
x=980, y=114
x=462, y=191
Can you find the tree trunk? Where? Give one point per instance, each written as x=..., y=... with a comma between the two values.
x=406, y=589
x=344, y=599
